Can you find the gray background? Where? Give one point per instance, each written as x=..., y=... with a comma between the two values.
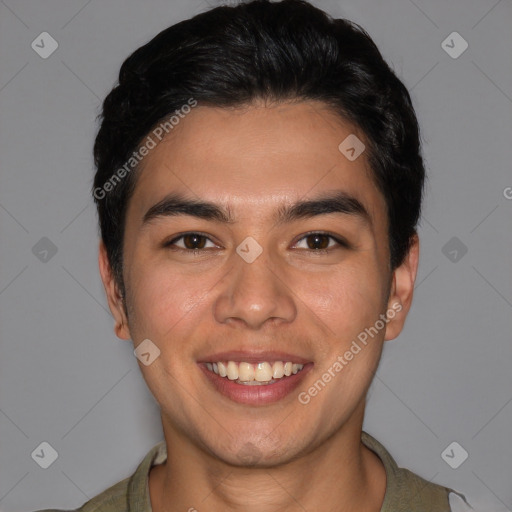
x=67, y=380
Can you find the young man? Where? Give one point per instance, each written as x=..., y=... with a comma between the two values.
x=259, y=181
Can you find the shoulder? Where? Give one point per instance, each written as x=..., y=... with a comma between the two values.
x=128, y=494
x=405, y=490
x=415, y=491
x=113, y=499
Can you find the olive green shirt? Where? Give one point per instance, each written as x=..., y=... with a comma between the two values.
x=405, y=491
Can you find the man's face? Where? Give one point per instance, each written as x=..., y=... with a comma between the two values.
x=196, y=289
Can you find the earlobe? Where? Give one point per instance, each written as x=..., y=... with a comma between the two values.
x=114, y=297
x=402, y=290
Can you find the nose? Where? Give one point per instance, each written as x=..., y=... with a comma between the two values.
x=255, y=294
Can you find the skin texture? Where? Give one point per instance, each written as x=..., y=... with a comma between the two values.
x=291, y=298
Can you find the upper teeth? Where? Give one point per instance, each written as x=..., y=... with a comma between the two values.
x=247, y=372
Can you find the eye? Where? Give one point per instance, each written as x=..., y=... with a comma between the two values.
x=189, y=242
x=315, y=242
x=321, y=242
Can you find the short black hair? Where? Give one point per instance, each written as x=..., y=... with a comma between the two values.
x=231, y=56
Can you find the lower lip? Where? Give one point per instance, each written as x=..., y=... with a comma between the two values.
x=256, y=395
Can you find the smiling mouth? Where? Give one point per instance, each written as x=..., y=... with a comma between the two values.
x=260, y=374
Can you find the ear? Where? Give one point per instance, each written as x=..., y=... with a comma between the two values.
x=402, y=290
x=114, y=297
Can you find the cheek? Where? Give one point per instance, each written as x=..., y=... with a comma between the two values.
x=348, y=303
x=346, y=300
x=162, y=297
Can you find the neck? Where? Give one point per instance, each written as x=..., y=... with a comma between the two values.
x=340, y=474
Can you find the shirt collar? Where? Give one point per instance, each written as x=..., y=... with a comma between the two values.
x=138, y=486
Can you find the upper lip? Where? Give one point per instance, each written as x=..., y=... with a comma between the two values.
x=253, y=357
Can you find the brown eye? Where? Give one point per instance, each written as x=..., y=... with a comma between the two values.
x=320, y=242
x=317, y=241
x=189, y=242
x=194, y=241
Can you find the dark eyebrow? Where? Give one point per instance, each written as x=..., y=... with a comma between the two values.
x=334, y=202
x=177, y=204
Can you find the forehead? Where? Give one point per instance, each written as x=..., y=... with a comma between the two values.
x=254, y=157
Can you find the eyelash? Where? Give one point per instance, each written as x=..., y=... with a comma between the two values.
x=339, y=241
